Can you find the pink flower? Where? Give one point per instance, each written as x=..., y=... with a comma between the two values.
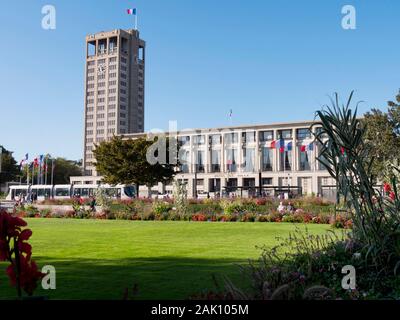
x=387, y=187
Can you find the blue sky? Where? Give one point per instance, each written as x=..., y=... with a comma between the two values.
x=269, y=61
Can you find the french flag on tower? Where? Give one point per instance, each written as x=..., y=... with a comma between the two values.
x=131, y=11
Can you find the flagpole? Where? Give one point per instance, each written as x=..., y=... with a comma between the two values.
x=136, y=20
x=52, y=170
x=45, y=172
x=33, y=173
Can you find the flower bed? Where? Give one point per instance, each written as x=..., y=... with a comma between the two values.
x=225, y=210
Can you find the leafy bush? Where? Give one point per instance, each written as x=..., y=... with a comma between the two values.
x=160, y=207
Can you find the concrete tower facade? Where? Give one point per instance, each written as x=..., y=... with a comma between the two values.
x=114, y=88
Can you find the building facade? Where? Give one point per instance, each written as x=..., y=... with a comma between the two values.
x=280, y=158
x=114, y=88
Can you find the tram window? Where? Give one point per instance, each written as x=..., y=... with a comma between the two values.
x=43, y=192
x=129, y=191
x=64, y=192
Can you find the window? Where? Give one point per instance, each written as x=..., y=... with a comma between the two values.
x=231, y=138
x=215, y=139
x=122, y=115
x=111, y=114
x=266, y=135
x=100, y=92
x=303, y=133
x=285, y=160
x=248, y=159
x=100, y=116
x=304, y=158
x=320, y=165
x=198, y=140
x=122, y=123
x=267, y=159
x=231, y=160
x=184, y=160
x=266, y=181
x=199, y=161
x=185, y=140
x=248, y=137
x=318, y=131
x=215, y=160
x=285, y=134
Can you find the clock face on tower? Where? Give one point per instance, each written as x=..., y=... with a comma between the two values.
x=101, y=69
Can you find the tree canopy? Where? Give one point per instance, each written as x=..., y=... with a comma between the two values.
x=125, y=162
x=9, y=167
x=383, y=135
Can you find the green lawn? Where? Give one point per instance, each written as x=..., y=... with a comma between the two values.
x=97, y=259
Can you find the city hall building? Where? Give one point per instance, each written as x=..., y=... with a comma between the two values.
x=269, y=160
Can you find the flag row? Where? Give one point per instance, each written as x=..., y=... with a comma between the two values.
x=282, y=146
x=39, y=161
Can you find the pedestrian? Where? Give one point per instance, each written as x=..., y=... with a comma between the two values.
x=93, y=204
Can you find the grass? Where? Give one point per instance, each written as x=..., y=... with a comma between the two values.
x=98, y=259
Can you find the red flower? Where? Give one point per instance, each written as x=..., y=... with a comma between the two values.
x=386, y=187
x=392, y=195
x=29, y=275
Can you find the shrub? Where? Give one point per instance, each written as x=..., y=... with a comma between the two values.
x=160, y=207
x=199, y=217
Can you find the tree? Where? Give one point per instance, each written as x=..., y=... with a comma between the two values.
x=382, y=136
x=125, y=162
x=9, y=168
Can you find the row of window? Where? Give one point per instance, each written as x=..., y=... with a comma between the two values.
x=305, y=163
x=247, y=137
